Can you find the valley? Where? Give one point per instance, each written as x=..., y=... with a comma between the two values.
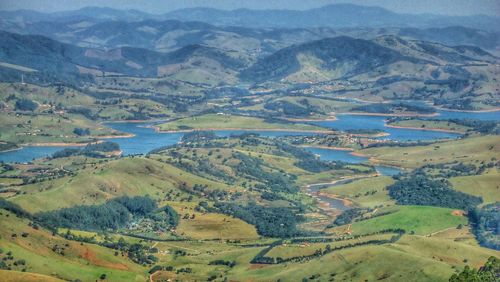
x=240, y=145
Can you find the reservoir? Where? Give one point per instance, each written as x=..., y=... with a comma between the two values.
x=147, y=139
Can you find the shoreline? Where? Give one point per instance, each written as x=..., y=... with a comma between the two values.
x=128, y=135
x=11, y=150
x=388, y=115
x=425, y=129
x=358, y=154
x=158, y=130
x=345, y=201
x=59, y=144
x=429, y=103
x=335, y=182
x=331, y=118
x=329, y=148
x=73, y=144
x=376, y=135
x=135, y=121
x=468, y=111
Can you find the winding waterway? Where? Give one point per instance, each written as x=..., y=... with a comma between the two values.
x=345, y=156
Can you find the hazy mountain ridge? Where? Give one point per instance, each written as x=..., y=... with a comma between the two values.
x=351, y=55
x=344, y=15
x=168, y=35
x=335, y=15
x=357, y=55
x=61, y=59
x=102, y=13
x=454, y=35
x=344, y=57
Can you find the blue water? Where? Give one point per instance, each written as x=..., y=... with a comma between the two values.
x=228, y=133
x=336, y=155
x=27, y=154
x=147, y=139
x=387, y=170
x=346, y=156
x=357, y=122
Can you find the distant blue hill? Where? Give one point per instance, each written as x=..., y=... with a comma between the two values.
x=337, y=15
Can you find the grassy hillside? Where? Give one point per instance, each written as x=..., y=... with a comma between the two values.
x=485, y=185
x=25, y=129
x=13, y=276
x=198, y=175
x=55, y=256
x=431, y=125
x=321, y=57
x=208, y=226
x=418, y=219
x=435, y=261
x=97, y=183
x=221, y=122
x=369, y=192
x=483, y=148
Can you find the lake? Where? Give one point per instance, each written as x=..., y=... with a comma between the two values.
x=348, y=157
x=346, y=122
x=146, y=139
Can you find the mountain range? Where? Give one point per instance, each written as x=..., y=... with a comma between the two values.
x=65, y=61
x=169, y=35
x=324, y=59
x=336, y=15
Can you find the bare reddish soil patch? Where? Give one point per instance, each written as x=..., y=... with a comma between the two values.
x=90, y=256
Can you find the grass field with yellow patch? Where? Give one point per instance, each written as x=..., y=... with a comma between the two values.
x=482, y=148
x=487, y=185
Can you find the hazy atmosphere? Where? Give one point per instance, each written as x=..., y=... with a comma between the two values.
x=448, y=7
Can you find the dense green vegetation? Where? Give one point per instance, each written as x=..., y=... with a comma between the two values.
x=486, y=224
x=26, y=105
x=272, y=222
x=348, y=216
x=95, y=150
x=275, y=182
x=13, y=208
x=489, y=272
x=112, y=215
x=420, y=189
x=81, y=131
x=292, y=109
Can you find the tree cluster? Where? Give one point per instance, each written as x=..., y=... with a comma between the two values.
x=420, y=189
